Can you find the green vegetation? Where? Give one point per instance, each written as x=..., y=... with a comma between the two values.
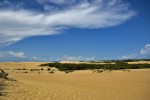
x=97, y=70
x=68, y=71
x=119, y=65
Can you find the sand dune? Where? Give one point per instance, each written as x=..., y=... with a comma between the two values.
x=79, y=85
x=139, y=62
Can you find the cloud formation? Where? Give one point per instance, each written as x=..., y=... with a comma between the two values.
x=143, y=54
x=7, y=4
x=57, y=2
x=146, y=50
x=12, y=54
x=76, y=58
x=131, y=56
x=19, y=56
x=16, y=25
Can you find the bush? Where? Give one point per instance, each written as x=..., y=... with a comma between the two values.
x=51, y=72
x=34, y=69
x=42, y=69
x=97, y=71
x=48, y=69
x=3, y=74
x=119, y=65
x=68, y=71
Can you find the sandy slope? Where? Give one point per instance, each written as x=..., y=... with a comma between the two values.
x=139, y=62
x=79, y=85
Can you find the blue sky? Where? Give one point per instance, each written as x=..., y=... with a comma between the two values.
x=50, y=30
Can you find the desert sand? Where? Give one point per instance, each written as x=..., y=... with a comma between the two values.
x=78, y=85
x=139, y=62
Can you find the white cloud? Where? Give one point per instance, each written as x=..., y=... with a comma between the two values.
x=58, y=2
x=17, y=54
x=49, y=7
x=146, y=50
x=6, y=54
x=38, y=59
x=77, y=58
x=62, y=2
x=7, y=4
x=131, y=56
x=143, y=54
x=16, y=25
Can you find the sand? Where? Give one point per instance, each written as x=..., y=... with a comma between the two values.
x=78, y=85
x=77, y=62
x=139, y=62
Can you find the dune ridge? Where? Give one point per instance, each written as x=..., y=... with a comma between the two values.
x=78, y=85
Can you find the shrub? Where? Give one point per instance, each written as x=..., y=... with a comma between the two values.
x=97, y=71
x=42, y=69
x=68, y=71
x=34, y=69
x=117, y=66
x=20, y=69
x=3, y=74
x=51, y=72
x=23, y=69
x=48, y=69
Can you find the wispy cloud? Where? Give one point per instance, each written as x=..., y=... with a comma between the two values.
x=143, y=54
x=16, y=25
x=19, y=56
x=38, y=59
x=7, y=4
x=76, y=58
x=57, y=2
x=130, y=56
x=146, y=50
x=12, y=54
